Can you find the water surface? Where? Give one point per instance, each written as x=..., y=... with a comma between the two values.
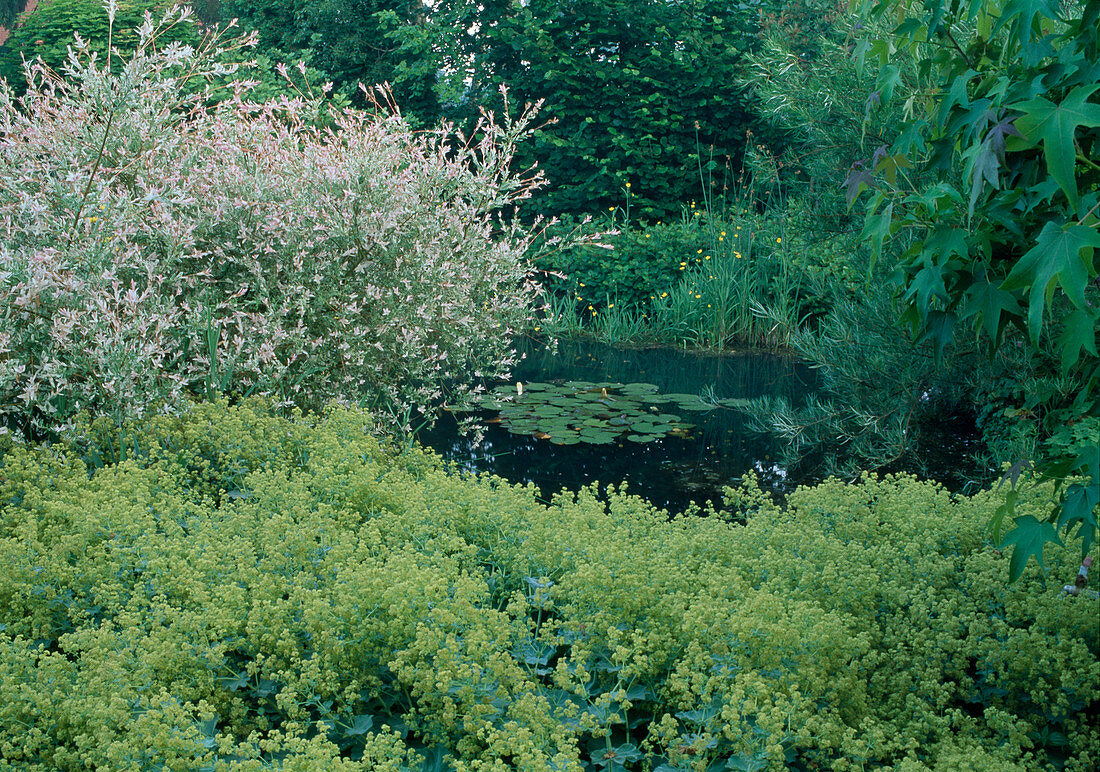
x=672, y=472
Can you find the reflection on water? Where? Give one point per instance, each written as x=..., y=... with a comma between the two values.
x=672, y=472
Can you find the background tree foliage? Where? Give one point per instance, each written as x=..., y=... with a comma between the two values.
x=48, y=32
x=352, y=42
x=1000, y=240
x=641, y=92
x=9, y=9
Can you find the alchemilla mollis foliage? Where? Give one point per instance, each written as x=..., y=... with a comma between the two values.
x=250, y=592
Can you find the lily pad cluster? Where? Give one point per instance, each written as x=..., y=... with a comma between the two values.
x=599, y=413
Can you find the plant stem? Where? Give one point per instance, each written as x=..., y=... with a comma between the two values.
x=91, y=177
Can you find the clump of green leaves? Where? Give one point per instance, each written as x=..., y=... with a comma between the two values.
x=244, y=591
x=709, y=279
x=998, y=228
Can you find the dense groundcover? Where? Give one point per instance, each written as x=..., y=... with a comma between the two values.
x=251, y=592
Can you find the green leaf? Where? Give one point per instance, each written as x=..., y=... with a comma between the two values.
x=939, y=328
x=1028, y=15
x=1062, y=255
x=1079, y=334
x=1079, y=506
x=1006, y=509
x=991, y=305
x=1054, y=126
x=877, y=225
x=360, y=724
x=1028, y=539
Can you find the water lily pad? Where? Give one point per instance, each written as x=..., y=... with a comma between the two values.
x=640, y=388
x=567, y=439
x=584, y=411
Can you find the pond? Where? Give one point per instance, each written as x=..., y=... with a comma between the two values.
x=673, y=471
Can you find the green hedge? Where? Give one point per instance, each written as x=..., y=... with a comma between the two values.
x=251, y=592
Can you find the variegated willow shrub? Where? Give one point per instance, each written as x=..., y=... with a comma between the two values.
x=254, y=592
x=155, y=243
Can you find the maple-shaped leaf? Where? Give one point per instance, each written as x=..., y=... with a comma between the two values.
x=1078, y=334
x=858, y=178
x=1054, y=125
x=1027, y=14
x=1061, y=256
x=1027, y=540
x=995, y=139
x=990, y=159
x=991, y=305
x=877, y=226
x=888, y=165
x=939, y=328
x=1079, y=506
x=1012, y=474
x=926, y=284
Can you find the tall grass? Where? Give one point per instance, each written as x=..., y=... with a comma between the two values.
x=611, y=322
x=738, y=284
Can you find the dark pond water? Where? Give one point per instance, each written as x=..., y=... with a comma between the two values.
x=672, y=472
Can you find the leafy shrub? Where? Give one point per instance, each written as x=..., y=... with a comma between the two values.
x=1007, y=112
x=630, y=264
x=878, y=387
x=155, y=246
x=246, y=592
x=708, y=280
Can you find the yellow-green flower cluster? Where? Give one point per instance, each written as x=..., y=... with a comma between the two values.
x=248, y=591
